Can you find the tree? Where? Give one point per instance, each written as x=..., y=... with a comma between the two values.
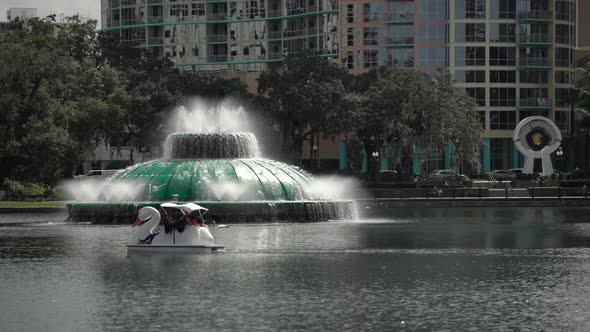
x=298, y=95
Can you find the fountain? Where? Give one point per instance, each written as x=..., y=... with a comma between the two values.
x=218, y=166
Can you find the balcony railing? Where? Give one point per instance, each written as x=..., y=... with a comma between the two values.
x=154, y=1
x=535, y=38
x=534, y=61
x=155, y=19
x=128, y=2
x=274, y=13
x=216, y=16
x=216, y=38
x=535, y=102
x=399, y=17
x=275, y=55
x=399, y=40
x=294, y=33
x=535, y=15
x=562, y=39
x=217, y=58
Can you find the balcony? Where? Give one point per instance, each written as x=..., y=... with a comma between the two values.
x=217, y=58
x=399, y=18
x=399, y=41
x=541, y=62
x=155, y=19
x=217, y=38
x=216, y=16
x=273, y=35
x=535, y=15
x=534, y=103
x=293, y=33
x=536, y=39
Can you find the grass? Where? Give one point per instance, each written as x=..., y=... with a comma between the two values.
x=23, y=204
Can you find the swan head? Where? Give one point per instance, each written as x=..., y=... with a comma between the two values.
x=145, y=214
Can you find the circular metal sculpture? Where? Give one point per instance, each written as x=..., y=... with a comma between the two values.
x=536, y=137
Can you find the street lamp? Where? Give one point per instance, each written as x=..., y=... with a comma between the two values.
x=558, y=159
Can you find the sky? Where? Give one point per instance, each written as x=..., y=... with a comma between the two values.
x=86, y=8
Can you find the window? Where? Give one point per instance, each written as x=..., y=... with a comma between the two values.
x=370, y=36
x=562, y=97
x=566, y=10
x=503, y=9
x=370, y=59
x=470, y=8
x=482, y=119
x=352, y=60
x=402, y=57
x=502, y=76
x=400, y=11
x=502, y=96
x=500, y=152
x=470, y=76
x=502, y=33
x=433, y=9
x=502, y=120
x=350, y=37
x=401, y=35
x=502, y=56
x=470, y=32
x=350, y=13
x=197, y=9
x=373, y=11
x=563, y=57
x=562, y=120
x=563, y=34
x=432, y=57
x=432, y=33
x=534, y=76
x=470, y=56
x=479, y=94
x=562, y=77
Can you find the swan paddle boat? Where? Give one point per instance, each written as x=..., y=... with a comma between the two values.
x=184, y=230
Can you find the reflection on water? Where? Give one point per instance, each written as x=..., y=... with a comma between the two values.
x=428, y=269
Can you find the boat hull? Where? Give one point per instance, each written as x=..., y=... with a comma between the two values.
x=173, y=248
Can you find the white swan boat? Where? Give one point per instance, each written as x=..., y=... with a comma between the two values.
x=188, y=234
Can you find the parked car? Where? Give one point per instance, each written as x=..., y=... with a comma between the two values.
x=502, y=175
x=443, y=173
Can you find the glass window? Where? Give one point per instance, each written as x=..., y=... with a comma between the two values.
x=470, y=32
x=352, y=60
x=401, y=35
x=432, y=57
x=502, y=33
x=562, y=120
x=502, y=76
x=370, y=36
x=534, y=76
x=562, y=34
x=370, y=59
x=502, y=56
x=502, y=96
x=373, y=11
x=402, y=57
x=562, y=77
x=470, y=8
x=470, y=76
x=502, y=120
x=565, y=10
x=470, y=56
x=433, y=9
x=563, y=57
x=350, y=13
x=562, y=97
x=503, y=9
x=479, y=94
x=401, y=10
x=432, y=33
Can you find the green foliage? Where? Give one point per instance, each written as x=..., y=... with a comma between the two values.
x=18, y=190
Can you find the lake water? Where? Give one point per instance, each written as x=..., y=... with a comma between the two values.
x=411, y=269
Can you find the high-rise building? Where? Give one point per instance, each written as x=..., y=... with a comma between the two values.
x=515, y=57
x=225, y=36
x=21, y=13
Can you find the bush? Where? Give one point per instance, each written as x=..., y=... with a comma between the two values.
x=18, y=190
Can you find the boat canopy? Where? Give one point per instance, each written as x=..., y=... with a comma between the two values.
x=188, y=207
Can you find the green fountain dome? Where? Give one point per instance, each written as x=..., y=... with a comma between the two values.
x=243, y=179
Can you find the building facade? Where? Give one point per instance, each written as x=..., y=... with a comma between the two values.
x=225, y=37
x=515, y=57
